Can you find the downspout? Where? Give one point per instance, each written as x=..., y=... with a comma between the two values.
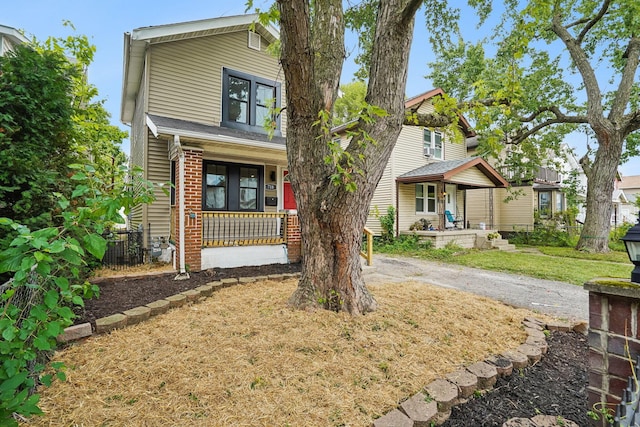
x=182, y=275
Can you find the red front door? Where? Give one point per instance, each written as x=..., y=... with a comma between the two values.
x=287, y=192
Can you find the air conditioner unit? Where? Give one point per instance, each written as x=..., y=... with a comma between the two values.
x=427, y=152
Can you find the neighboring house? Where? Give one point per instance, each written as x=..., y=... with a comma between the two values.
x=196, y=95
x=429, y=174
x=545, y=195
x=625, y=195
x=9, y=38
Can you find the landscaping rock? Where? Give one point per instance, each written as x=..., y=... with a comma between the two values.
x=519, y=360
x=276, y=277
x=444, y=393
x=75, y=332
x=192, y=295
x=205, y=290
x=519, y=422
x=158, y=307
x=217, y=285
x=532, y=325
x=535, y=333
x=229, y=282
x=581, y=328
x=176, y=300
x=394, y=418
x=533, y=353
x=552, y=421
x=245, y=280
x=421, y=409
x=261, y=278
x=559, y=326
x=503, y=366
x=537, y=342
x=487, y=374
x=466, y=382
x=109, y=323
x=137, y=315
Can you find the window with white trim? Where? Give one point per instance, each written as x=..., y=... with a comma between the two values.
x=248, y=102
x=432, y=143
x=426, y=198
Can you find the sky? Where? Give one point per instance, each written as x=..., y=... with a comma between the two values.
x=106, y=21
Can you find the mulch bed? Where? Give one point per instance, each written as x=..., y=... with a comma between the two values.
x=554, y=386
x=118, y=294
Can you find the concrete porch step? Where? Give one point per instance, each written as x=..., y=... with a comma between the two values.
x=502, y=245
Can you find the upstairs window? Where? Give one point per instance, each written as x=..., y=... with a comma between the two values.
x=248, y=102
x=433, y=144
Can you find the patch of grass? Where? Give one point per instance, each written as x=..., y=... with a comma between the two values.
x=613, y=256
x=562, y=268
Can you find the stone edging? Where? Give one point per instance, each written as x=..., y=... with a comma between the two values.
x=426, y=408
x=142, y=313
x=433, y=405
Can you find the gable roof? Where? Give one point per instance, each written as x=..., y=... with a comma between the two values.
x=137, y=42
x=415, y=103
x=445, y=171
x=14, y=37
x=630, y=182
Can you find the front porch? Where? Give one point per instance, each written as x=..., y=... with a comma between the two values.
x=468, y=239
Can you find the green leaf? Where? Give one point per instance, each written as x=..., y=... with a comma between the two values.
x=51, y=299
x=80, y=191
x=13, y=382
x=62, y=282
x=56, y=246
x=9, y=333
x=77, y=300
x=42, y=343
x=95, y=245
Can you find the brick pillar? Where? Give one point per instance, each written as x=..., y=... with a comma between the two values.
x=294, y=238
x=193, y=209
x=613, y=324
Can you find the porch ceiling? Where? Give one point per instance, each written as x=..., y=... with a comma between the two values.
x=446, y=171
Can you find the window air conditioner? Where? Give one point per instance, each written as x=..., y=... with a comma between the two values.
x=427, y=152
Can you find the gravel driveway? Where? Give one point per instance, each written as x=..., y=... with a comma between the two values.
x=555, y=298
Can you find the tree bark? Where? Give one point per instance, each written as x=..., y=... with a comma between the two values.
x=332, y=218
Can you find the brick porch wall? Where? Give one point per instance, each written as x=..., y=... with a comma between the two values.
x=294, y=238
x=193, y=207
x=613, y=324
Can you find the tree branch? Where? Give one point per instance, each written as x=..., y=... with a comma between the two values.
x=626, y=81
x=593, y=21
x=632, y=121
x=524, y=133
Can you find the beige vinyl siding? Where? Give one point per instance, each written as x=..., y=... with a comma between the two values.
x=383, y=197
x=137, y=147
x=159, y=212
x=472, y=176
x=516, y=214
x=479, y=206
x=407, y=208
x=186, y=76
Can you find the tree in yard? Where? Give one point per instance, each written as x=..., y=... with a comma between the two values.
x=334, y=186
x=350, y=102
x=525, y=97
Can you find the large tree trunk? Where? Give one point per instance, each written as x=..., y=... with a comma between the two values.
x=331, y=217
x=601, y=176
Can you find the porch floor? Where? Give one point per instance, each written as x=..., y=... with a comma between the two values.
x=466, y=238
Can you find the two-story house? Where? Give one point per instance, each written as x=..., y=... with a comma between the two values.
x=631, y=187
x=427, y=178
x=198, y=96
x=532, y=196
x=9, y=38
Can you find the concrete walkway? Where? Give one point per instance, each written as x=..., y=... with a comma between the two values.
x=558, y=299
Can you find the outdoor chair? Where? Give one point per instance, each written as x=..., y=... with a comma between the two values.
x=451, y=219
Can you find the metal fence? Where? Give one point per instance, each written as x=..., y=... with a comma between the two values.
x=627, y=410
x=125, y=248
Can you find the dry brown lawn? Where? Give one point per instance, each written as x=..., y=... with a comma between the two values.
x=241, y=358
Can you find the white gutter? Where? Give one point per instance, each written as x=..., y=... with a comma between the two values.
x=181, y=233
x=219, y=138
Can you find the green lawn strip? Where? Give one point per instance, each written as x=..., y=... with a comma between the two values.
x=565, y=269
x=613, y=256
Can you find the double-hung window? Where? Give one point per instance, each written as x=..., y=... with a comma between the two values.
x=425, y=198
x=544, y=204
x=232, y=187
x=249, y=102
x=432, y=143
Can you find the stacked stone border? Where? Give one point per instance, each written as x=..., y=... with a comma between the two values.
x=432, y=405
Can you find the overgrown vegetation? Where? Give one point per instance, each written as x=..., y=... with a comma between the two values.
x=49, y=270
